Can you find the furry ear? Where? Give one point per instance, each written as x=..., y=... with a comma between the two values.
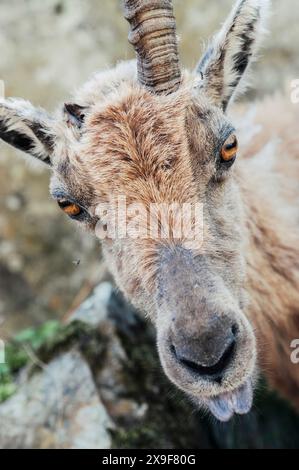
x=74, y=114
x=231, y=51
x=27, y=128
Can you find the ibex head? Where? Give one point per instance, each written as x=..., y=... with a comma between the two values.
x=156, y=138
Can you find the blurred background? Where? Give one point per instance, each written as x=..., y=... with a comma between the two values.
x=48, y=48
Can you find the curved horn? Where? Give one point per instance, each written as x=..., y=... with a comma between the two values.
x=153, y=35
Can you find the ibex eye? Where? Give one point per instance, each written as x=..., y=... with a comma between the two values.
x=229, y=149
x=69, y=208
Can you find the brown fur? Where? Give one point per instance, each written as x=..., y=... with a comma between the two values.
x=271, y=196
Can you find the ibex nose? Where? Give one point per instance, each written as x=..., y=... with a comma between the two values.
x=208, y=354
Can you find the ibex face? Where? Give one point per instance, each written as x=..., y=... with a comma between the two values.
x=146, y=143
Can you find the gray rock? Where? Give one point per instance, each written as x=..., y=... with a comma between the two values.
x=94, y=310
x=57, y=408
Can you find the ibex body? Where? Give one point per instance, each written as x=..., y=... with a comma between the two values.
x=229, y=302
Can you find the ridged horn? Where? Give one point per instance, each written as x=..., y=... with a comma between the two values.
x=153, y=35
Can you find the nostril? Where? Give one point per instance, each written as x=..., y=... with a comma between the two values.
x=214, y=372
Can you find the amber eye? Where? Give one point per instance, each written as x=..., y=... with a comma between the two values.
x=230, y=149
x=69, y=208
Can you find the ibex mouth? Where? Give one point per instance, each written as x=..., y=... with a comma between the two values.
x=238, y=401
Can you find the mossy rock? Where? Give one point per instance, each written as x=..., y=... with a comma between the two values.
x=40, y=344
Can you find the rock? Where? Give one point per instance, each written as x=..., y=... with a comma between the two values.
x=95, y=309
x=57, y=408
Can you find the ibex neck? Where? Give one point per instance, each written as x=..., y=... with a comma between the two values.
x=272, y=255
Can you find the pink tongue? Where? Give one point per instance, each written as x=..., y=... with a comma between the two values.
x=239, y=401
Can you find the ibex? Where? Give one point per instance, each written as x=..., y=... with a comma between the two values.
x=147, y=131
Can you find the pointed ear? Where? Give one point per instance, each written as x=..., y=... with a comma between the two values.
x=27, y=128
x=232, y=50
x=74, y=115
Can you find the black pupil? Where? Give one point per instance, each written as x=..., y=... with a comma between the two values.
x=231, y=146
x=64, y=203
